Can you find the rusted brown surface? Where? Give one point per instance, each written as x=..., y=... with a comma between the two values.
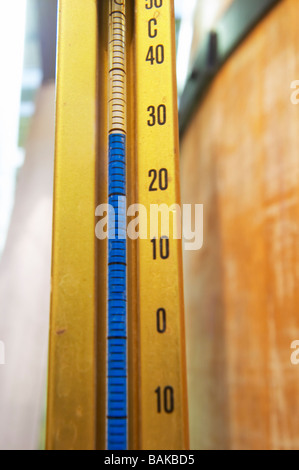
x=240, y=158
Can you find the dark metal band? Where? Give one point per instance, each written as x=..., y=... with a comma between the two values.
x=237, y=22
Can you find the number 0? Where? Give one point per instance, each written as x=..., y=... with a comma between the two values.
x=157, y=115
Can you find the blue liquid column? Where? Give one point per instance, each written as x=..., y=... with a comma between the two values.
x=117, y=297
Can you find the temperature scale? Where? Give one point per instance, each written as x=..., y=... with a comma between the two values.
x=117, y=375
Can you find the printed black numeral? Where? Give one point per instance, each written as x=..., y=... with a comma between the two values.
x=165, y=400
x=163, y=179
x=163, y=248
x=149, y=4
x=161, y=320
x=155, y=54
x=158, y=116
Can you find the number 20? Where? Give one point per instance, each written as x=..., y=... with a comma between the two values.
x=165, y=400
